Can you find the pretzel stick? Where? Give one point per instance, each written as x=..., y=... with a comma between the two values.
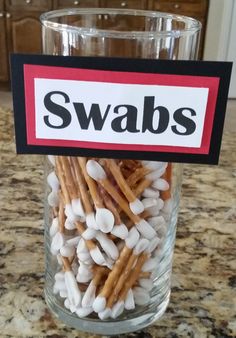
x=118, y=308
x=165, y=195
x=104, y=217
x=73, y=193
x=135, y=205
x=59, y=172
x=133, y=277
x=137, y=175
x=140, y=247
x=90, y=218
x=100, y=302
x=139, y=189
x=93, y=287
x=90, y=182
x=61, y=216
x=96, y=171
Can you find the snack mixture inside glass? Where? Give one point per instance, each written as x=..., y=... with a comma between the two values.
x=110, y=219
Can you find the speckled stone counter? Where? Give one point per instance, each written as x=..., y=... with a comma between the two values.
x=203, y=300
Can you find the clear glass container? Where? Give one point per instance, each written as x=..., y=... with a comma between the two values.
x=110, y=224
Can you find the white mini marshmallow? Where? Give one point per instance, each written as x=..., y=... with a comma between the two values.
x=141, y=296
x=63, y=293
x=154, y=175
x=77, y=207
x=120, y=231
x=141, y=246
x=145, y=229
x=84, y=278
x=59, y=285
x=129, y=300
x=53, y=181
x=153, y=165
x=104, y=219
x=83, y=312
x=89, y=233
x=69, y=224
x=89, y=295
x=70, y=214
x=53, y=199
x=146, y=283
x=60, y=276
x=149, y=202
x=54, y=228
x=99, y=304
x=132, y=238
x=160, y=184
x=155, y=210
x=107, y=245
x=84, y=257
x=95, y=170
x=168, y=206
x=67, y=304
x=82, y=247
x=74, y=294
x=156, y=221
x=51, y=159
x=105, y=314
x=136, y=206
x=153, y=244
x=150, y=265
x=67, y=251
x=59, y=259
x=58, y=241
x=97, y=256
x=74, y=241
x=149, y=192
x=117, y=309
x=91, y=221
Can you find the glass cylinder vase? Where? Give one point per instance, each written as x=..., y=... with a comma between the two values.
x=110, y=223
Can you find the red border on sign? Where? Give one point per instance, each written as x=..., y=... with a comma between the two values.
x=65, y=73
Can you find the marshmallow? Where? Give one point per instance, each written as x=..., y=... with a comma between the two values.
x=95, y=170
x=129, y=300
x=120, y=231
x=74, y=294
x=89, y=295
x=104, y=219
x=99, y=304
x=105, y=314
x=146, y=283
x=58, y=241
x=136, y=206
x=69, y=224
x=117, y=309
x=83, y=312
x=67, y=251
x=53, y=199
x=54, y=228
x=132, y=238
x=107, y=245
x=160, y=184
x=53, y=181
x=89, y=233
x=97, y=256
x=145, y=229
x=77, y=207
x=91, y=222
x=141, y=296
x=149, y=192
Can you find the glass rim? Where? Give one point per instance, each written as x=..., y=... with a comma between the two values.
x=46, y=20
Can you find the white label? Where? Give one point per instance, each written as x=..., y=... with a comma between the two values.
x=119, y=113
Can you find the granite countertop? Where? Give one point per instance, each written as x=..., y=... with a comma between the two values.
x=203, y=300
